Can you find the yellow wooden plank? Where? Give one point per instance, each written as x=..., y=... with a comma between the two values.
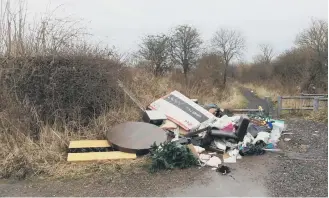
x=95, y=156
x=89, y=143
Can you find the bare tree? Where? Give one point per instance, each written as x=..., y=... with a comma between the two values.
x=266, y=55
x=230, y=44
x=185, y=47
x=315, y=38
x=154, y=49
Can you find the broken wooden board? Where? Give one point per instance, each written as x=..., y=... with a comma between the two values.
x=89, y=144
x=97, y=156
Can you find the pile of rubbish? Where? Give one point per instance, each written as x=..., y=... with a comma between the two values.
x=216, y=138
x=212, y=137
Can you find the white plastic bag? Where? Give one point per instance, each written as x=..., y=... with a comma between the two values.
x=263, y=136
x=223, y=122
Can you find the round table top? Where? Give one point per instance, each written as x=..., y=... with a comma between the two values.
x=135, y=135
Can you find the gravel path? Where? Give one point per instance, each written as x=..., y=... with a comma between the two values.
x=140, y=184
x=303, y=169
x=254, y=101
x=246, y=179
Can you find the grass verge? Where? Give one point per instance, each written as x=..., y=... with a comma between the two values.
x=233, y=99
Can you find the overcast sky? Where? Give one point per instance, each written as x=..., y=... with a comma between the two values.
x=123, y=23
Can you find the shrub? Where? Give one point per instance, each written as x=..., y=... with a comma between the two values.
x=63, y=88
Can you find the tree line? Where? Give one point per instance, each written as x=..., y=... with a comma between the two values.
x=304, y=67
x=183, y=47
x=306, y=62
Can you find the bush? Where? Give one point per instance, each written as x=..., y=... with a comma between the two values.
x=63, y=88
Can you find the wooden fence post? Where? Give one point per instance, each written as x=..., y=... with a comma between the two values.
x=316, y=104
x=268, y=108
x=279, y=106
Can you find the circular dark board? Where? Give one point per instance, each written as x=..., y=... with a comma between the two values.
x=134, y=136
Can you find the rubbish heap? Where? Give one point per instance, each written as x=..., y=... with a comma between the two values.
x=209, y=130
x=213, y=137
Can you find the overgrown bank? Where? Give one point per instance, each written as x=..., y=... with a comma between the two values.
x=48, y=101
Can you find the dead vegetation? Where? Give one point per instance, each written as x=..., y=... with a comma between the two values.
x=43, y=149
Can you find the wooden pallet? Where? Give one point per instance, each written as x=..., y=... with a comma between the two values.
x=95, y=156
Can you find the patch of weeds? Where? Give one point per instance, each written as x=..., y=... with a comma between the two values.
x=319, y=116
x=243, y=103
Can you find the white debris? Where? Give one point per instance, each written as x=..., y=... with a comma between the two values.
x=214, y=162
x=209, y=160
x=235, y=119
x=276, y=132
x=223, y=122
x=262, y=136
x=199, y=149
x=248, y=138
x=233, y=152
x=220, y=144
x=204, y=157
x=231, y=159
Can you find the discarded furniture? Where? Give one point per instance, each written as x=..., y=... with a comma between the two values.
x=84, y=150
x=238, y=135
x=213, y=132
x=154, y=117
x=181, y=110
x=135, y=137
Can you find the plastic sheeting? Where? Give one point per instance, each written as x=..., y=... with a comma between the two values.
x=278, y=127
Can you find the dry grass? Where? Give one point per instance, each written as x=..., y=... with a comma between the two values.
x=23, y=155
x=319, y=116
x=233, y=99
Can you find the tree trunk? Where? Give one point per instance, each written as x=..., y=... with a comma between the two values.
x=185, y=70
x=157, y=70
x=225, y=74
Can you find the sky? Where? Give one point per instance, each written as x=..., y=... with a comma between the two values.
x=122, y=23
